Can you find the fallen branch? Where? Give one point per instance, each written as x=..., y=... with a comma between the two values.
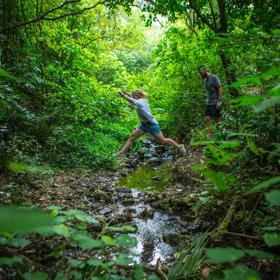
x=221, y=229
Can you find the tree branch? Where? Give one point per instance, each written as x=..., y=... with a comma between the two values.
x=213, y=13
x=78, y=12
x=41, y=17
x=201, y=16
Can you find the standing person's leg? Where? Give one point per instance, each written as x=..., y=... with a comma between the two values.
x=207, y=121
x=136, y=134
x=168, y=141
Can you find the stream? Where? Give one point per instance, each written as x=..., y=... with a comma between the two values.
x=158, y=233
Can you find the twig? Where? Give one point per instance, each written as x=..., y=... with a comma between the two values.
x=243, y=235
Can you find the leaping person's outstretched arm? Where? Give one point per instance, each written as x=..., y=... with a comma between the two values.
x=126, y=96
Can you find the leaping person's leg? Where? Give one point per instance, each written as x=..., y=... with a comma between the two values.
x=168, y=141
x=136, y=134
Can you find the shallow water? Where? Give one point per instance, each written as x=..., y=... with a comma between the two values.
x=152, y=227
x=147, y=178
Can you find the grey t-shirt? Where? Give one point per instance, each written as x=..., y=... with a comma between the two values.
x=144, y=111
x=212, y=83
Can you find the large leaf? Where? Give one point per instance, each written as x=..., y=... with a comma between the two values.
x=123, y=260
x=6, y=75
x=275, y=91
x=222, y=180
x=246, y=100
x=250, y=81
x=273, y=197
x=80, y=215
x=10, y=261
x=266, y=104
x=108, y=240
x=86, y=242
x=223, y=255
x=23, y=220
x=241, y=272
x=272, y=239
x=35, y=276
x=264, y=184
x=126, y=241
x=259, y=254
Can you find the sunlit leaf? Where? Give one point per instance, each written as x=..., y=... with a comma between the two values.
x=108, y=240
x=122, y=229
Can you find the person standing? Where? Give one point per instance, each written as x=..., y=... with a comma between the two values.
x=214, y=98
x=148, y=123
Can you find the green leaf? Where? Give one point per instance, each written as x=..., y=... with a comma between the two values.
x=5, y=74
x=60, y=276
x=11, y=261
x=123, y=260
x=86, y=242
x=266, y=104
x=246, y=100
x=23, y=220
x=259, y=254
x=222, y=180
x=35, y=276
x=273, y=228
x=273, y=197
x=240, y=272
x=108, y=240
x=273, y=72
x=62, y=230
x=94, y=262
x=272, y=239
x=223, y=255
x=126, y=241
x=122, y=229
x=250, y=81
x=80, y=215
x=264, y=184
x=275, y=91
x=4, y=241
x=76, y=263
x=19, y=242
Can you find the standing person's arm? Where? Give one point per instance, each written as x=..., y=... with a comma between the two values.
x=219, y=95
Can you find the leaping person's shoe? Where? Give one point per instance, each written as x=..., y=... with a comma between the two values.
x=182, y=149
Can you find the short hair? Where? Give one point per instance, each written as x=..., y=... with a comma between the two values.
x=202, y=67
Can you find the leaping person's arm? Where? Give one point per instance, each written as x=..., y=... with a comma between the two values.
x=126, y=96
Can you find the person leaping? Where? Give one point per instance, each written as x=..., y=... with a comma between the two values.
x=148, y=123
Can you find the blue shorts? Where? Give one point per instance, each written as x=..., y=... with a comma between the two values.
x=151, y=128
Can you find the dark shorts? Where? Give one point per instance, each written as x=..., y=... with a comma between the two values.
x=212, y=111
x=151, y=128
